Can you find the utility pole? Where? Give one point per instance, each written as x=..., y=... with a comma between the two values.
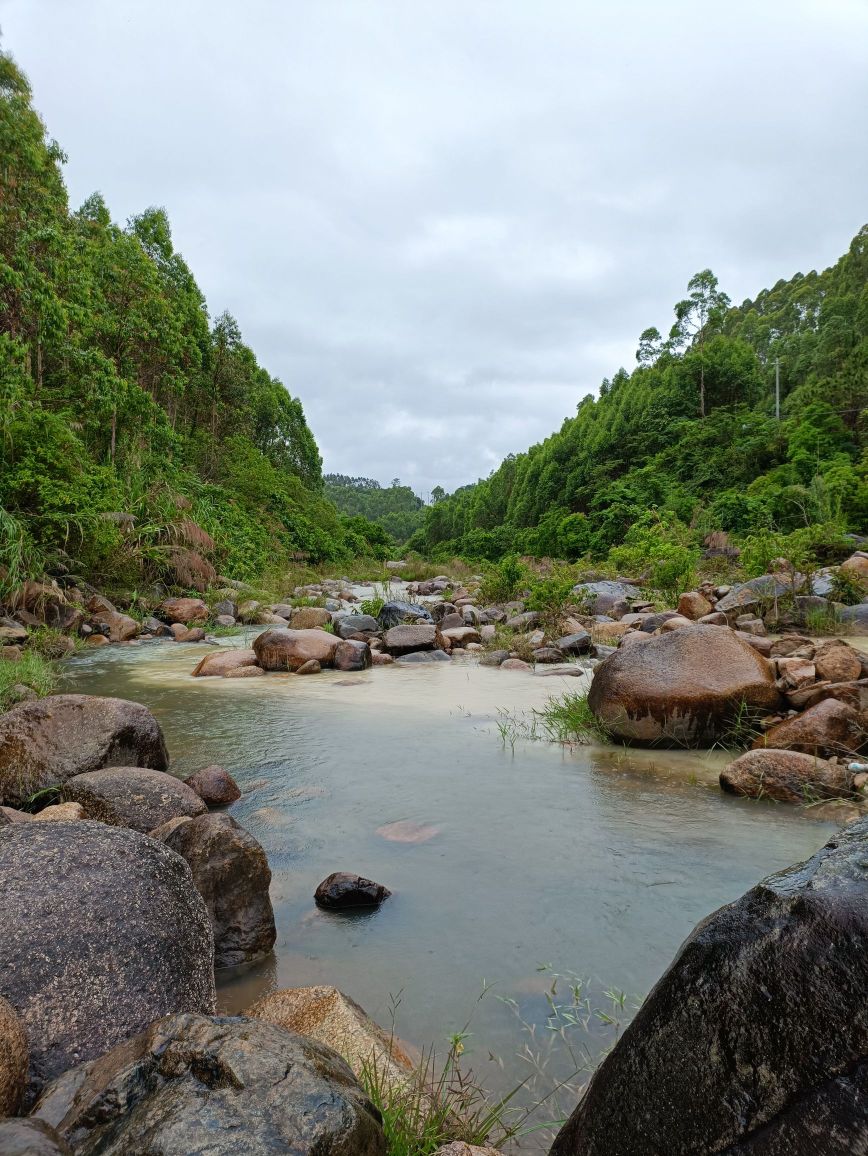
x=778, y=388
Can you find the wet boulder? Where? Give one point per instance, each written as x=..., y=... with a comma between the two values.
x=681, y=688
x=423, y=656
x=231, y=873
x=694, y=605
x=342, y=890
x=219, y=663
x=755, y=1040
x=830, y=727
x=13, y=1060
x=221, y=1085
x=397, y=612
x=405, y=639
x=786, y=777
x=103, y=931
x=284, y=649
x=19, y=1137
x=351, y=624
x=351, y=655
x=184, y=610
x=835, y=661
x=310, y=667
x=214, y=786
x=134, y=797
x=309, y=617
x=548, y=654
x=44, y=743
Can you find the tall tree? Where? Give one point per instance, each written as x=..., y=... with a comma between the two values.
x=699, y=312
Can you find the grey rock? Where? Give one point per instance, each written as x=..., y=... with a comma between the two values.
x=578, y=643
x=225, y=606
x=856, y=615
x=45, y=743
x=424, y=656
x=20, y=1137
x=214, y=786
x=132, y=797
x=350, y=624
x=153, y=625
x=764, y=1009
x=494, y=658
x=352, y=655
x=601, y=597
x=757, y=591
x=403, y=639
x=215, y=1086
x=440, y=610
x=103, y=931
x=396, y=613
x=548, y=654
x=523, y=621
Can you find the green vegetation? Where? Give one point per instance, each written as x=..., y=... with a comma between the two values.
x=33, y=671
x=688, y=445
x=395, y=508
x=564, y=719
x=139, y=439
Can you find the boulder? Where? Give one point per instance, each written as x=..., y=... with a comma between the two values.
x=351, y=655
x=153, y=625
x=249, y=611
x=836, y=661
x=441, y=610
x=231, y=873
x=245, y=672
x=715, y=618
x=31, y=1138
x=114, y=626
x=856, y=616
x=103, y=931
x=461, y=635
x=328, y=1016
x=515, y=664
x=184, y=610
x=755, y=1040
x=405, y=639
x=225, y=608
x=548, y=654
x=61, y=813
x=674, y=622
x=577, y=643
x=758, y=592
x=224, y=620
x=451, y=621
x=309, y=617
x=681, y=688
x=856, y=566
x=214, y=786
x=423, y=656
x=215, y=1085
x=379, y=659
x=524, y=621
x=747, y=624
x=786, y=776
x=188, y=633
x=694, y=605
x=134, y=797
x=342, y=890
x=654, y=622
x=600, y=597
x=397, y=613
x=44, y=743
x=310, y=667
x=284, y=649
x=221, y=662
x=13, y=1060
x=795, y=672
x=356, y=624
x=828, y=728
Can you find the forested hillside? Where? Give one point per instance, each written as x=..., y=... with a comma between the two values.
x=138, y=438
x=690, y=437
x=396, y=508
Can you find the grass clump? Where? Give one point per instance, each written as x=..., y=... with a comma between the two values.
x=371, y=606
x=32, y=670
x=564, y=719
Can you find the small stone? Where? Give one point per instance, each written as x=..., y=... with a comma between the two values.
x=341, y=890
x=310, y=667
x=214, y=786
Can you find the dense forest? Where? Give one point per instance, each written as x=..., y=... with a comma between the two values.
x=139, y=439
x=396, y=508
x=690, y=439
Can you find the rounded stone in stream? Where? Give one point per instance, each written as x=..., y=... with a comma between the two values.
x=132, y=797
x=215, y=1085
x=341, y=890
x=351, y=624
x=214, y=786
x=352, y=655
x=103, y=931
x=418, y=656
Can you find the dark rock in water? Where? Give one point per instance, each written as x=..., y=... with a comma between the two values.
x=231, y=873
x=423, y=656
x=45, y=743
x=132, y=797
x=578, y=643
x=215, y=1086
x=601, y=597
x=341, y=890
x=102, y=932
x=755, y=1040
x=154, y=626
x=351, y=624
x=548, y=654
x=350, y=655
x=494, y=658
x=214, y=786
x=31, y=1138
x=396, y=613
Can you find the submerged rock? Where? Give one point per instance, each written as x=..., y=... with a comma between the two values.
x=102, y=932
x=786, y=776
x=423, y=656
x=681, y=688
x=214, y=785
x=341, y=890
x=45, y=743
x=755, y=1040
x=215, y=1085
x=132, y=797
x=222, y=662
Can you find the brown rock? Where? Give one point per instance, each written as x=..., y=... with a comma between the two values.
x=378, y=659
x=220, y=662
x=309, y=617
x=352, y=655
x=290, y=649
x=120, y=626
x=676, y=622
x=715, y=618
x=856, y=566
x=461, y=635
x=837, y=662
x=795, y=672
x=30, y=1137
x=245, y=672
x=406, y=639
x=760, y=644
x=514, y=664
x=184, y=610
x=45, y=743
x=9, y=653
x=682, y=687
x=214, y=786
x=602, y=631
x=855, y=694
x=795, y=645
x=694, y=605
x=62, y=812
x=132, y=797
x=13, y=1059
x=827, y=728
x=310, y=667
x=97, y=640
x=190, y=634
x=787, y=776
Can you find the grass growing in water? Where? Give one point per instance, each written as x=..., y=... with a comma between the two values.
x=31, y=670
x=564, y=719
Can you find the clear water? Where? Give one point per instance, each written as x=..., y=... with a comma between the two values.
x=594, y=860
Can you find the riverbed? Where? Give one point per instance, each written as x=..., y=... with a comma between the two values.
x=504, y=857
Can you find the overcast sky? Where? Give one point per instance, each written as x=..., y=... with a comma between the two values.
x=442, y=223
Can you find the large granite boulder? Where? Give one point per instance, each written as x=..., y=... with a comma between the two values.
x=44, y=743
x=133, y=797
x=397, y=612
x=184, y=610
x=755, y=1040
x=836, y=661
x=786, y=777
x=13, y=1060
x=406, y=639
x=283, y=649
x=220, y=663
x=682, y=688
x=231, y=873
x=601, y=597
x=102, y=932
x=829, y=727
x=758, y=592
x=215, y=1086
x=352, y=655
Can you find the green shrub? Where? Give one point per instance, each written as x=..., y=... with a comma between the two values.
x=31, y=670
x=503, y=582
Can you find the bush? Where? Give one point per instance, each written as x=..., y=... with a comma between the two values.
x=504, y=581
x=659, y=551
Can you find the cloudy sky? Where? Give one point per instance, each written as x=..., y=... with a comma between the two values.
x=443, y=222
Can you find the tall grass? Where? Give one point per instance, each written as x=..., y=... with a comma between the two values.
x=32, y=671
x=564, y=719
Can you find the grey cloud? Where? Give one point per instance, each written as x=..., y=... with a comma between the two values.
x=442, y=224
